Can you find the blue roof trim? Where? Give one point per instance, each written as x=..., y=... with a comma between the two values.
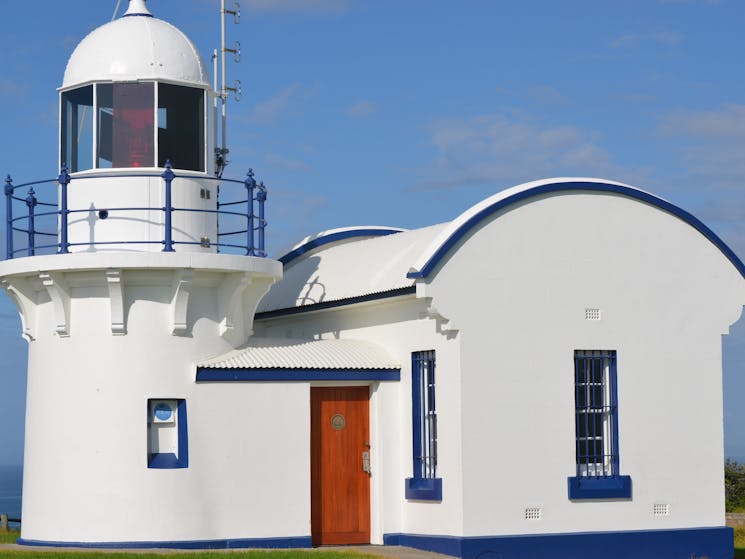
x=332, y=238
x=208, y=374
x=586, y=186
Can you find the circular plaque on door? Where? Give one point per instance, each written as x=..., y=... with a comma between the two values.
x=338, y=422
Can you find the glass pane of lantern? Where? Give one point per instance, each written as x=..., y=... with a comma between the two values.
x=77, y=128
x=181, y=127
x=126, y=125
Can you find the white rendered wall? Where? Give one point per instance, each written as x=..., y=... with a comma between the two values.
x=401, y=326
x=95, y=190
x=517, y=290
x=85, y=474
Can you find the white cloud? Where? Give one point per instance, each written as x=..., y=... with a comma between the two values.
x=669, y=38
x=361, y=109
x=506, y=150
x=705, y=2
x=665, y=38
x=315, y=6
x=11, y=90
x=625, y=41
x=711, y=144
x=299, y=212
x=287, y=163
x=727, y=123
x=267, y=112
x=546, y=94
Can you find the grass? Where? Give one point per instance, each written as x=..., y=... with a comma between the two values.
x=274, y=554
x=740, y=543
x=9, y=537
x=12, y=535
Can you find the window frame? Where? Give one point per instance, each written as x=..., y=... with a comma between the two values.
x=201, y=122
x=597, y=463
x=168, y=460
x=424, y=485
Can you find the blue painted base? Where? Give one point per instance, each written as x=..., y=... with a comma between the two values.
x=271, y=543
x=424, y=489
x=694, y=543
x=615, y=487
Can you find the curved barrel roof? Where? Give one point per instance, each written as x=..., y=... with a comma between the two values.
x=328, y=270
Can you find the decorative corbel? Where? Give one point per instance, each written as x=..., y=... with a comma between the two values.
x=230, y=303
x=444, y=325
x=116, y=301
x=180, y=302
x=59, y=293
x=24, y=296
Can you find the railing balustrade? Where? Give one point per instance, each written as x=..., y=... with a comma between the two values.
x=250, y=211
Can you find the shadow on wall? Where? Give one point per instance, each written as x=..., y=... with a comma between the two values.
x=733, y=365
x=310, y=289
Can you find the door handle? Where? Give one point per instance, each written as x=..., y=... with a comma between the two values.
x=366, y=462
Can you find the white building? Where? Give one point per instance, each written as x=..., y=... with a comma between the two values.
x=540, y=376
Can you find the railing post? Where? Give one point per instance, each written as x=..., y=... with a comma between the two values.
x=261, y=197
x=31, y=203
x=9, y=215
x=250, y=183
x=63, y=180
x=168, y=176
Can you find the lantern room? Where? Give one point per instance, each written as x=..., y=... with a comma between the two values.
x=135, y=99
x=135, y=95
x=133, y=124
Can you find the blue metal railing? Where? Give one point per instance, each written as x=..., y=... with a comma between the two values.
x=249, y=216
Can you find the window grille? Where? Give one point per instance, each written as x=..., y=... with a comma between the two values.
x=533, y=513
x=424, y=418
x=596, y=413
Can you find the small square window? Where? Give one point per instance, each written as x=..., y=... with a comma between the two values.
x=167, y=441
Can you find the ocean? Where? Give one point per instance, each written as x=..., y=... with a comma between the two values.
x=11, y=483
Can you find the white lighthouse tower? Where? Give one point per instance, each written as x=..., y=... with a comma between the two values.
x=136, y=285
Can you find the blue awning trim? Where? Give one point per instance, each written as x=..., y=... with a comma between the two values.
x=208, y=374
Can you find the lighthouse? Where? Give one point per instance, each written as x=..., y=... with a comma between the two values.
x=150, y=265
x=519, y=378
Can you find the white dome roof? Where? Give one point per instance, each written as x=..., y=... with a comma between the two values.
x=136, y=46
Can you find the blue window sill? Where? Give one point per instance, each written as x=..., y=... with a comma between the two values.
x=615, y=487
x=418, y=489
x=164, y=461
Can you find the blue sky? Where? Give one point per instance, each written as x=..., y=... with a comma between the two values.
x=407, y=112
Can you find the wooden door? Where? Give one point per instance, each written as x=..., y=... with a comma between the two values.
x=340, y=487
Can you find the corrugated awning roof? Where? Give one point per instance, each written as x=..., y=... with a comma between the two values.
x=283, y=353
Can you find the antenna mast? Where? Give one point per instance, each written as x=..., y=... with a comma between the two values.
x=221, y=153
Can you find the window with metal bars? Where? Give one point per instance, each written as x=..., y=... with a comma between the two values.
x=595, y=413
x=424, y=485
x=596, y=428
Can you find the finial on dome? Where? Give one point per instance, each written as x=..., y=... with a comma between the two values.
x=137, y=8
